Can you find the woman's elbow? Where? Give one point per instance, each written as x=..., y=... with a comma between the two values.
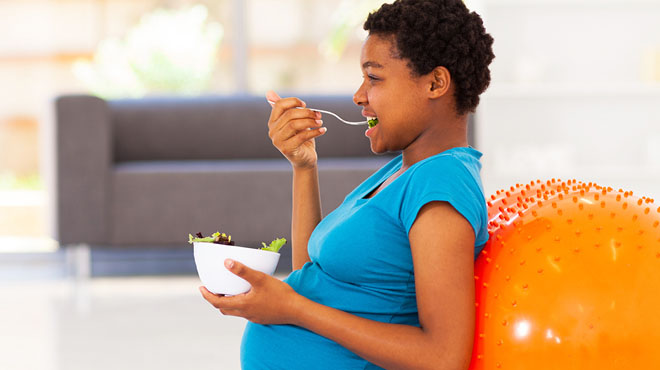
x=450, y=359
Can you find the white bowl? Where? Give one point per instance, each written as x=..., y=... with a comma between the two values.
x=210, y=260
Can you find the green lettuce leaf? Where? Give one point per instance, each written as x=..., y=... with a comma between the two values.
x=208, y=239
x=275, y=245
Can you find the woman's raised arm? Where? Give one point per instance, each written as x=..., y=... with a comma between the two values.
x=292, y=132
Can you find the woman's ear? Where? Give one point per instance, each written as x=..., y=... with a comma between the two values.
x=440, y=80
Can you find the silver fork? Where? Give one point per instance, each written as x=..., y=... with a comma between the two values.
x=330, y=113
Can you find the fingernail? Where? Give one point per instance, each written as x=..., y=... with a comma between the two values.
x=229, y=263
x=319, y=122
x=323, y=130
x=318, y=114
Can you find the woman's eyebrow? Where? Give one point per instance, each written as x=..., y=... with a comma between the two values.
x=371, y=64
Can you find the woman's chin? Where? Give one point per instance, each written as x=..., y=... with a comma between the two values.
x=377, y=149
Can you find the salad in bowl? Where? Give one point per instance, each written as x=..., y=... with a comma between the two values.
x=211, y=252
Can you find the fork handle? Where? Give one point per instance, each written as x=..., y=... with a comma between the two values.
x=330, y=113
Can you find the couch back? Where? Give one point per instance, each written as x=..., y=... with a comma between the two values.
x=221, y=127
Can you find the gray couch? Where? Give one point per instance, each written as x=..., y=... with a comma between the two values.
x=146, y=172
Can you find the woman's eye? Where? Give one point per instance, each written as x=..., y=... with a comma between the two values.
x=373, y=78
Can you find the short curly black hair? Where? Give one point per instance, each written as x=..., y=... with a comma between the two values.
x=432, y=33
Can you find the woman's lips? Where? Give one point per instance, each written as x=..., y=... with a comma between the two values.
x=369, y=115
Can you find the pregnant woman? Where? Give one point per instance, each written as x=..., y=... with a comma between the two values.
x=386, y=279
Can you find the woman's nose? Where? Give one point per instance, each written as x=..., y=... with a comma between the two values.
x=360, y=96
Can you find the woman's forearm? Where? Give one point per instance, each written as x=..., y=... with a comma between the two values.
x=306, y=212
x=391, y=346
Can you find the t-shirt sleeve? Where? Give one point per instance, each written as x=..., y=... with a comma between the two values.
x=444, y=179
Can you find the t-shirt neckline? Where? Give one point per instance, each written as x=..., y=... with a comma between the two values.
x=363, y=197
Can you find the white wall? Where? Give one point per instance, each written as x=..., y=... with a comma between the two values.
x=575, y=93
x=574, y=89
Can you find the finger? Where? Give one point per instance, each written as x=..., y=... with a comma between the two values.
x=250, y=275
x=293, y=128
x=272, y=96
x=290, y=115
x=282, y=105
x=299, y=126
x=230, y=312
x=214, y=299
x=303, y=136
x=222, y=302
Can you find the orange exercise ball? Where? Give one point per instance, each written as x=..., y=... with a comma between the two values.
x=570, y=279
x=503, y=201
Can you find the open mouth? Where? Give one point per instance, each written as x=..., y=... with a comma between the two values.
x=372, y=121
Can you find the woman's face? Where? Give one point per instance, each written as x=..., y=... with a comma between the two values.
x=392, y=93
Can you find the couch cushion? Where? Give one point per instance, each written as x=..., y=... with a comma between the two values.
x=154, y=203
x=219, y=127
x=180, y=128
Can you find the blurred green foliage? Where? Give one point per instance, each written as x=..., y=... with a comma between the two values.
x=10, y=181
x=168, y=51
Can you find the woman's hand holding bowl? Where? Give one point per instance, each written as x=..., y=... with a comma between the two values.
x=270, y=301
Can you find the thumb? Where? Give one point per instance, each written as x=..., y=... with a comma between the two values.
x=243, y=271
x=272, y=96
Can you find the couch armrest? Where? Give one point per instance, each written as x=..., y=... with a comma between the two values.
x=83, y=160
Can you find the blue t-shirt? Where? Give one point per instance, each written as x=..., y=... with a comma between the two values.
x=361, y=260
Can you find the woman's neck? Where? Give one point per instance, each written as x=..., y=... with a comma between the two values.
x=439, y=137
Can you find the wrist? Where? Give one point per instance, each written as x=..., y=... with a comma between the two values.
x=304, y=168
x=298, y=304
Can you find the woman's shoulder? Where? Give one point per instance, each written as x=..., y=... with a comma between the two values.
x=454, y=173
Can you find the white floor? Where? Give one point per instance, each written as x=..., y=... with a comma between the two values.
x=114, y=323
